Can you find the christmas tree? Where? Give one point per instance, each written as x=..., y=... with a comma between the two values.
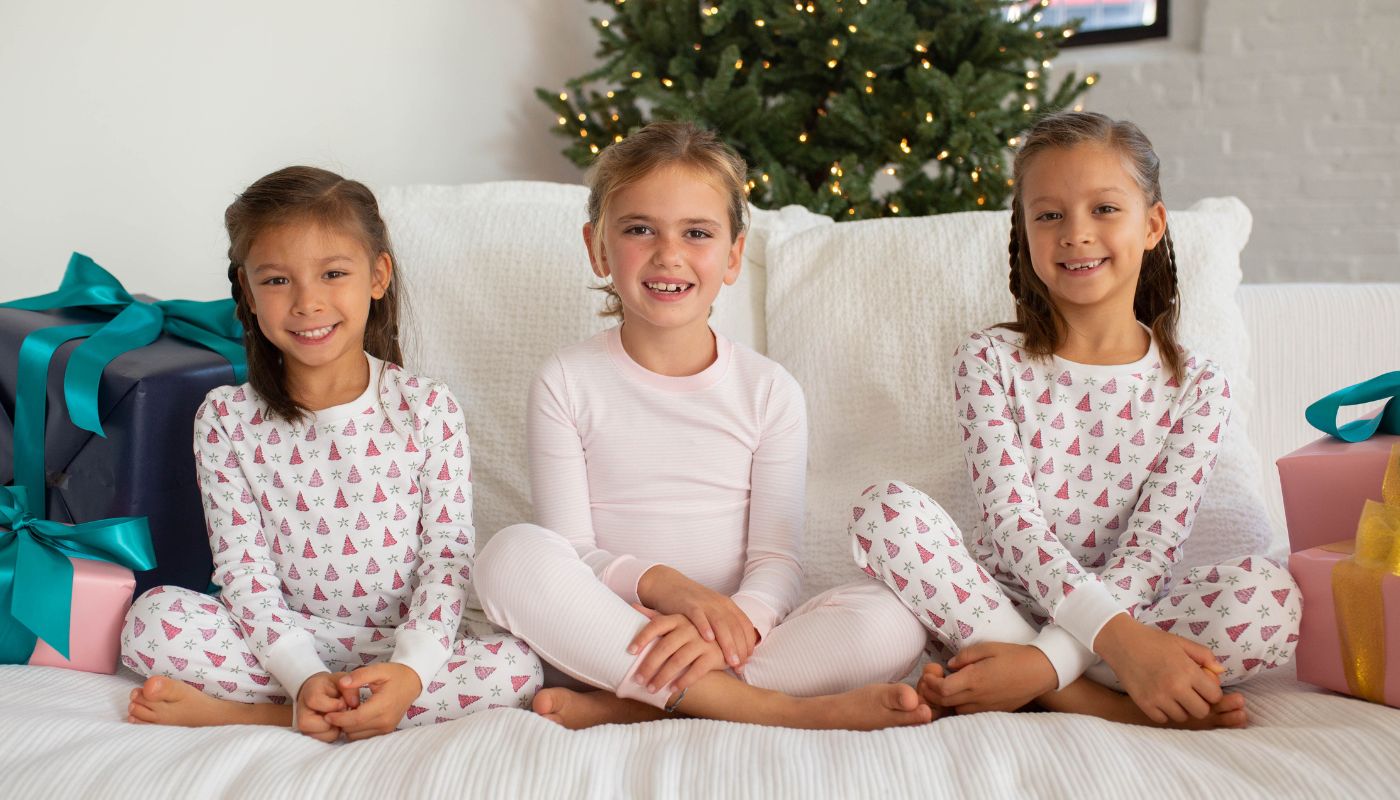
x=852, y=108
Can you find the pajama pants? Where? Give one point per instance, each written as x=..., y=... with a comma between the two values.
x=532, y=581
x=194, y=638
x=1246, y=611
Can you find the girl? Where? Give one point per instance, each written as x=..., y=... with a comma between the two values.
x=1090, y=436
x=667, y=470
x=337, y=493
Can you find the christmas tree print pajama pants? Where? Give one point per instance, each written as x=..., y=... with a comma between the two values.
x=194, y=638
x=532, y=581
x=1246, y=611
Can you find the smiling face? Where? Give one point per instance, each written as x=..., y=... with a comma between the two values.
x=310, y=287
x=1088, y=224
x=667, y=244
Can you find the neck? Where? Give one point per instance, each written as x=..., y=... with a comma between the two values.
x=328, y=385
x=1099, y=335
x=674, y=352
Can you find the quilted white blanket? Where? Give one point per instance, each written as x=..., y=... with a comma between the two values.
x=63, y=734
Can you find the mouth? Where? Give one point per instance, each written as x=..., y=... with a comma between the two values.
x=668, y=290
x=315, y=335
x=1083, y=266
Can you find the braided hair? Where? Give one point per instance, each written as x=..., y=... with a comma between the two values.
x=1157, y=299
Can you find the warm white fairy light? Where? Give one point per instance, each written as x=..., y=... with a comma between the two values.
x=602, y=23
x=1091, y=80
x=636, y=74
x=758, y=23
x=582, y=117
x=667, y=82
x=831, y=64
x=904, y=146
x=802, y=137
x=563, y=121
x=593, y=148
x=851, y=28
x=942, y=154
x=564, y=96
x=926, y=64
x=928, y=117
x=739, y=64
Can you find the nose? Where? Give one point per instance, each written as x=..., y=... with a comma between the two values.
x=307, y=300
x=668, y=251
x=1076, y=230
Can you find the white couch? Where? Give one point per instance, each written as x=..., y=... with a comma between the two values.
x=864, y=315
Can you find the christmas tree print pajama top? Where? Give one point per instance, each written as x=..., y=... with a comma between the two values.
x=340, y=541
x=1088, y=478
x=704, y=473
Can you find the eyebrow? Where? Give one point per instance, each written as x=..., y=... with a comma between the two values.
x=1102, y=190
x=323, y=262
x=649, y=220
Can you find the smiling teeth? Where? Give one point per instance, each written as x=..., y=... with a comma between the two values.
x=1083, y=265
x=667, y=287
x=314, y=333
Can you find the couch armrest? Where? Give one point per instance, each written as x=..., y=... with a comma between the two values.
x=1306, y=340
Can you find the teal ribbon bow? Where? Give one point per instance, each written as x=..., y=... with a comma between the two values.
x=36, y=577
x=135, y=323
x=1323, y=414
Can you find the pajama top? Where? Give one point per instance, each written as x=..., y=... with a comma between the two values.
x=704, y=473
x=361, y=512
x=1088, y=477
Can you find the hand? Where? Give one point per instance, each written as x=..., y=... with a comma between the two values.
x=991, y=676
x=317, y=697
x=680, y=657
x=715, y=616
x=393, y=688
x=1170, y=678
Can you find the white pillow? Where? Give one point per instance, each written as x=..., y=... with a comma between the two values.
x=867, y=314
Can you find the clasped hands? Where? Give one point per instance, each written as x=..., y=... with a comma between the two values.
x=329, y=705
x=695, y=630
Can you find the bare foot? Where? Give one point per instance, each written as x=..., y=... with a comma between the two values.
x=578, y=710
x=869, y=708
x=1084, y=696
x=163, y=701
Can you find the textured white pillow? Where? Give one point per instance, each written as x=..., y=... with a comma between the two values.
x=866, y=315
x=498, y=279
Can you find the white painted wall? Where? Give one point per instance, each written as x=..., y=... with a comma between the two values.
x=128, y=127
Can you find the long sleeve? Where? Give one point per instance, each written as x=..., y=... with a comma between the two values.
x=447, y=541
x=559, y=482
x=244, y=566
x=773, y=567
x=1161, y=520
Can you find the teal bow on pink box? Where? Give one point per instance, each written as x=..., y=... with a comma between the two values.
x=134, y=323
x=36, y=577
x=1323, y=414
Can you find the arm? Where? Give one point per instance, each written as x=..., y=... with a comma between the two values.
x=447, y=541
x=777, y=510
x=559, y=482
x=244, y=568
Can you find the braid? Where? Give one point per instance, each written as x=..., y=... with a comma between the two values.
x=1015, y=250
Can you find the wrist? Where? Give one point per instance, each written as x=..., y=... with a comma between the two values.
x=310, y=683
x=1040, y=670
x=1112, y=636
x=652, y=585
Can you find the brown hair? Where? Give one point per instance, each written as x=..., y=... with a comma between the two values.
x=307, y=195
x=663, y=144
x=1156, y=302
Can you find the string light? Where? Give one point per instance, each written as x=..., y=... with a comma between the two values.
x=593, y=148
x=835, y=42
x=764, y=177
x=928, y=117
x=851, y=28
x=802, y=137
x=617, y=138
x=1089, y=81
x=583, y=133
x=894, y=208
x=636, y=74
x=602, y=23
x=1067, y=33
x=926, y=64
x=921, y=48
x=582, y=117
x=667, y=82
x=758, y=23
x=564, y=96
x=904, y=146
x=563, y=121
x=831, y=64
x=942, y=154
x=739, y=64
x=981, y=200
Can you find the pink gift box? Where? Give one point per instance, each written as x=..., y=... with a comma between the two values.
x=1319, y=656
x=1326, y=483
x=101, y=596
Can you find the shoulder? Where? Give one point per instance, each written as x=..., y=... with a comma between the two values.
x=763, y=375
x=1203, y=379
x=240, y=402
x=405, y=390
x=989, y=345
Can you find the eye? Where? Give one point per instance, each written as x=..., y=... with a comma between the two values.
x=275, y=281
x=336, y=273
x=1105, y=209
x=636, y=230
x=698, y=233
x=1048, y=216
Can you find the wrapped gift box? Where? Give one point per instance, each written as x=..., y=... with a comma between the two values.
x=102, y=594
x=1325, y=485
x=145, y=465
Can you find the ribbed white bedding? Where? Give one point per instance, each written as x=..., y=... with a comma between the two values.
x=63, y=734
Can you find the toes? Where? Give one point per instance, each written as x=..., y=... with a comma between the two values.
x=155, y=688
x=903, y=698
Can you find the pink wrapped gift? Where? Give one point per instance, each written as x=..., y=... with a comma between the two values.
x=1325, y=485
x=101, y=596
x=1349, y=639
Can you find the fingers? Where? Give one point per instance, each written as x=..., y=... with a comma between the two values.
x=1194, y=705
x=685, y=658
x=701, y=621
x=660, y=653
x=728, y=644
x=1202, y=655
x=323, y=703
x=649, y=613
x=698, y=669
x=655, y=629
x=349, y=691
x=1207, y=687
x=969, y=655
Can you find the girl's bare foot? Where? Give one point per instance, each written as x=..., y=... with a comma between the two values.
x=1084, y=696
x=163, y=701
x=578, y=710
x=869, y=708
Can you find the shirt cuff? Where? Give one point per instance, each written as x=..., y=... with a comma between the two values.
x=1069, y=658
x=623, y=574
x=420, y=651
x=762, y=617
x=291, y=661
x=1086, y=610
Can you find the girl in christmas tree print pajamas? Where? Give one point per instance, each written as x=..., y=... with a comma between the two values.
x=338, y=542
x=1088, y=478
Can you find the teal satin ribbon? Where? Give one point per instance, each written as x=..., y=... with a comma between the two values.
x=1323, y=414
x=36, y=577
x=136, y=323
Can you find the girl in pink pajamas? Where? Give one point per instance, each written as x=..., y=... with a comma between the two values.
x=668, y=470
x=338, y=498
x=1090, y=436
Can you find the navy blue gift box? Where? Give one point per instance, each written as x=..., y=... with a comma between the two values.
x=145, y=466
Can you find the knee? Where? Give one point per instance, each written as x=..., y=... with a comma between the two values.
x=884, y=624
x=506, y=553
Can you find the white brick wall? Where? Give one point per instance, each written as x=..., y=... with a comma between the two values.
x=1292, y=105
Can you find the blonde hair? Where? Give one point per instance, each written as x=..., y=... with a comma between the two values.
x=663, y=144
x=1156, y=301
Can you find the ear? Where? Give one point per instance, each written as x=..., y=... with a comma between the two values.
x=381, y=274
x=247, y=291
x=598, y=258
x=1156, y=224
x=736, y=260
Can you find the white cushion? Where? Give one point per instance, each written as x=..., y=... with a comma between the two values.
x=866, y=315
